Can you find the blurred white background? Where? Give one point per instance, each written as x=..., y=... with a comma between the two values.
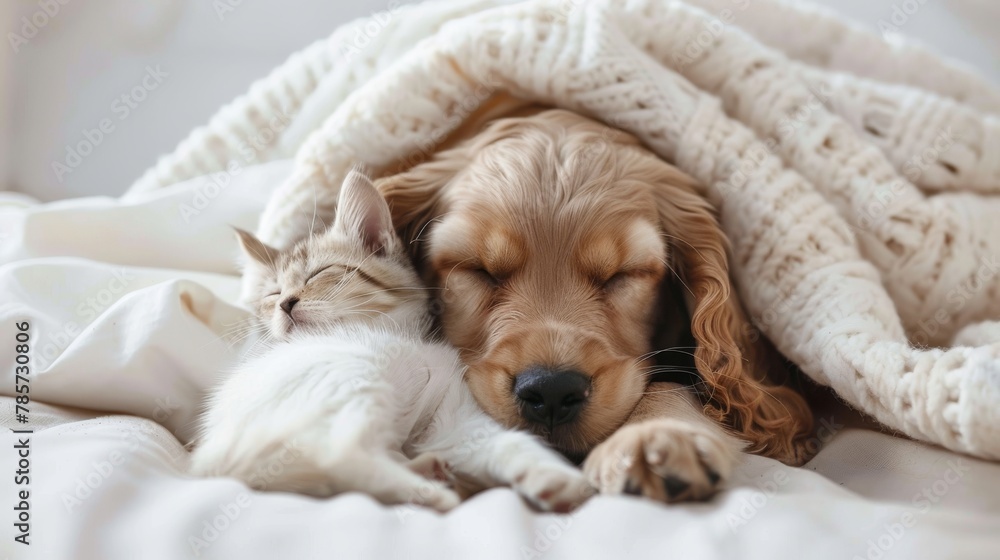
x=71, y=74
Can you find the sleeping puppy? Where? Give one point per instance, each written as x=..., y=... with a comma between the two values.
x=568, y=259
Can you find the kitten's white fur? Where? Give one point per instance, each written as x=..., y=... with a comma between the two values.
x=341, y=403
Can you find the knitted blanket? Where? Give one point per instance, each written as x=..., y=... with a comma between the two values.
x=856, y=178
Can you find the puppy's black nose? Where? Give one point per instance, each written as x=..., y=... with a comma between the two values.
x=288, y=304
x=549, y=396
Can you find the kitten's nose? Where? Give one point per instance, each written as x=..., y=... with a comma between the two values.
x=551, y=397
x=288, y=304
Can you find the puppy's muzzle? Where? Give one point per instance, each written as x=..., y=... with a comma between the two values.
x=550, y=396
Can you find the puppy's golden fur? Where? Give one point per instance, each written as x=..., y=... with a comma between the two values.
x=553, y=238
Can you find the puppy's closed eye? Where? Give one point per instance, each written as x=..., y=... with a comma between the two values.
x=477, y=270
x=614, y=281
x=486, y=277
x=609, y=283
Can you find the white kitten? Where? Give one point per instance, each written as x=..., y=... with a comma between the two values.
x=352, y=387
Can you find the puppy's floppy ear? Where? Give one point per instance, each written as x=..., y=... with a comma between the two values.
x=415, y=196
x=363, y=214
x=774, y=420
x=258, y=251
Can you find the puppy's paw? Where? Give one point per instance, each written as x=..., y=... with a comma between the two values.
x=554, y=487
x=664, y=459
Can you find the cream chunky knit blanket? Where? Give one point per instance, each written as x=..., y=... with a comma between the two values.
x=856, y=178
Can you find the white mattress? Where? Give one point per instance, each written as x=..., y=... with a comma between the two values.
x=128, y=305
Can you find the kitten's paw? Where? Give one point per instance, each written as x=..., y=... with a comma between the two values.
x=554, y=487
x=664, y=459
x=431, y=466
x=402, y=484
x=435, y=496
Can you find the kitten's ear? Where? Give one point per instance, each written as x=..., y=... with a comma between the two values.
x=363, y=214
x=257, y=250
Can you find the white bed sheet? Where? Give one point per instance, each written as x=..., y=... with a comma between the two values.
x=129, y=305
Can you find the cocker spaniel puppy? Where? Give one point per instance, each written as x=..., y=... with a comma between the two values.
x=569, y=259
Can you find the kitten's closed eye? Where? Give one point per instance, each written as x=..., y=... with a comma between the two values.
x=317, y=272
